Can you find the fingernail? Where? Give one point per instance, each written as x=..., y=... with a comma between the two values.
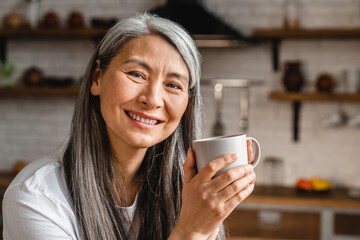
x=234, y=156
x=251, y=186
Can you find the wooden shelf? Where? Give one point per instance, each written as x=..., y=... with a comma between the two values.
x=48, y=33
x=37, y=91
x=257, y=33
x=324, y=97
x=307, y=33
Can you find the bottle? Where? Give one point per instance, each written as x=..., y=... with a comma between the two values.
x=33, y=12
x=291, y=14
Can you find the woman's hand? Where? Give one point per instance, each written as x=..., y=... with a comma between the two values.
x=206, y=202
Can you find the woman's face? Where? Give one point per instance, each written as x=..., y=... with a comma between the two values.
x=143, y=92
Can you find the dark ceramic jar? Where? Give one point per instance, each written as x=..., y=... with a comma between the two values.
x=293, y=78
x=325, y=83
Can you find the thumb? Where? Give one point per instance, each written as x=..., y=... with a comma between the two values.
x=249, y=151
x=189, y=166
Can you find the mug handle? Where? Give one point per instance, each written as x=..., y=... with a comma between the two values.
x=257, y=151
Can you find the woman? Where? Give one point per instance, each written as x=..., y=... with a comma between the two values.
x=121, y=175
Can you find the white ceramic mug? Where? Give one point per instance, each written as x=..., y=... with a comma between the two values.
x=208, y=149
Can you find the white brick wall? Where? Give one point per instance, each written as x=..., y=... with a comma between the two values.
x=30, y=127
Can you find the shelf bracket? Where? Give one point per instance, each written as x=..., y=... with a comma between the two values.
x=296, y=116
x=275, y=43
x=2, y=49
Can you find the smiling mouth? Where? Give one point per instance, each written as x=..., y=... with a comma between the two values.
x=142, y=119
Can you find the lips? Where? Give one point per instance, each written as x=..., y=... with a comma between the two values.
x=142, y=118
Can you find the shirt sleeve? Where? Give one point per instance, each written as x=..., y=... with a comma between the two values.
x=30, y=214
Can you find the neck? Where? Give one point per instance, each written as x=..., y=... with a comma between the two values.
x=127, y=161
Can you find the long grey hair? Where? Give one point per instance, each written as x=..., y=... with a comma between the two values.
x=87, y=161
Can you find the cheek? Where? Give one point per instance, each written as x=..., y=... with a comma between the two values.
x=117, y=91
x=112, y=97
x=178, y=107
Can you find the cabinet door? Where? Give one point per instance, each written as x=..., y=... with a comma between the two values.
x=273, y=224
x=347, y=224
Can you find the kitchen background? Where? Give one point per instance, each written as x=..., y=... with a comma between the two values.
x=30, y=126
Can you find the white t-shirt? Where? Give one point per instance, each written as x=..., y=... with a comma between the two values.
x=37, y=206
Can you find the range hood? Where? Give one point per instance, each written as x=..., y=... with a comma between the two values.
x=206, y=29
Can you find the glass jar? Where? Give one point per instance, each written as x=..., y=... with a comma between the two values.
x=291, y=20
x=273, y=168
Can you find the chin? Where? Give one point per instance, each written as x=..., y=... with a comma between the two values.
x=144, y=142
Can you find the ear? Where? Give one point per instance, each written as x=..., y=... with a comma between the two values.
x=95, y=81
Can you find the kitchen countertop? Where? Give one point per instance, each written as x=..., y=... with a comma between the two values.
x=338, y=198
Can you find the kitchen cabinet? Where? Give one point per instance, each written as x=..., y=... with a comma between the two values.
x=347, y=224
x=273, y=224
x=285, y=213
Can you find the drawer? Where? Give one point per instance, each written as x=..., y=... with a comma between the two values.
x=273, y=224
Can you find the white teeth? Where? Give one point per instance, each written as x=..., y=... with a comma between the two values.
x=141, y=119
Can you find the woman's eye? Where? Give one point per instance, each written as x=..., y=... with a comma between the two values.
x=173, y=85
x=136, y=74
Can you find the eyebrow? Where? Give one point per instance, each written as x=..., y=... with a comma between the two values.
x=145, y=65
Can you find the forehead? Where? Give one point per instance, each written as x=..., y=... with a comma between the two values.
x=148, y=43
x=153, y=47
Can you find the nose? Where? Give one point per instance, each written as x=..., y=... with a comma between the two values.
x=151, y=95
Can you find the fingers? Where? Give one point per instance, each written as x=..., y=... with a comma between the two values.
x=249, y=151
x=253, y=181
x=210, y=169
x=238, y=198
x=189, y=166
x=237, y=187
x=220, y=182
